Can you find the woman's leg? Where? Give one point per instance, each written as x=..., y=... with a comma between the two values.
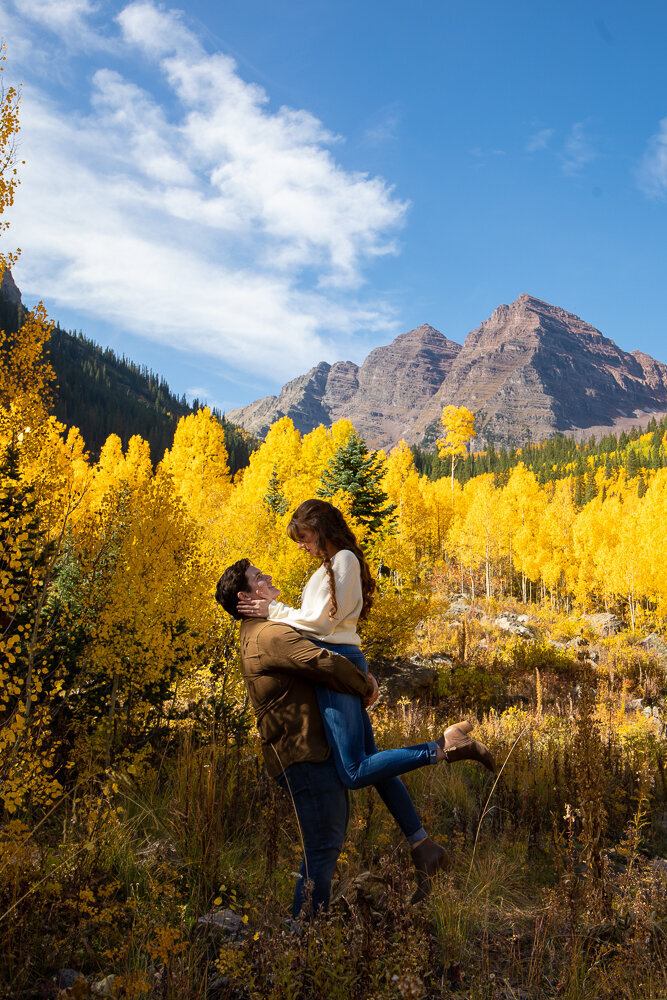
x=343, y=716
x=394, y=794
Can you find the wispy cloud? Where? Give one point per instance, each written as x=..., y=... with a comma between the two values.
x=652, y=173
x=384, y=126
x=579, y=150
x=195, y=215
x=71, y=20
x=539, y=140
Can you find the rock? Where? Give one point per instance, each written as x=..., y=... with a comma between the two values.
x=655, y=645
x=160, y=850
x=510, y=623
x=458, y=607
x=605, y=623
x=405, y=679
x=65, y=979
x=105, y=987
x=225, y=922
x=635, y=705
x=532, y=368
x=576, y=645
x=381, y=397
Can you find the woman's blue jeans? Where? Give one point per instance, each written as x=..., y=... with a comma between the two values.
x=358, y=761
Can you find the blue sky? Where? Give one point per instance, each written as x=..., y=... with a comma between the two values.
x=231, y=192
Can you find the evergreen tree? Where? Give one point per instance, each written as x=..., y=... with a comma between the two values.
x=356, y=471
x=632, y=463
x=274, y=499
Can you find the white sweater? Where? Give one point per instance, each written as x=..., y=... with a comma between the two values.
x=312, y=618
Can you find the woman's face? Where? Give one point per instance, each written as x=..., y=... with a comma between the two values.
x=308, y=542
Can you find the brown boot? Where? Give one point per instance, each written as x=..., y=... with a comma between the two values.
x=428, y=858
x=455, y=744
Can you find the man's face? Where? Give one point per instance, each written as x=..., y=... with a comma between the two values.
x=260, y=584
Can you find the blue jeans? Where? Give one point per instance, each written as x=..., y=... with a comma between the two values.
x=357, y=758
x=322, y=807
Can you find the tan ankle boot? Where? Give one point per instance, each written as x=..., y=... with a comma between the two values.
x=457, y=745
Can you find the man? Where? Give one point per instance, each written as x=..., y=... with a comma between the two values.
x=279, y=668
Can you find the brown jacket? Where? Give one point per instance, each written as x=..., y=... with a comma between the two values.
x=279, y=669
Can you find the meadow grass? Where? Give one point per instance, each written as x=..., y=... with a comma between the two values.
x=557, y=887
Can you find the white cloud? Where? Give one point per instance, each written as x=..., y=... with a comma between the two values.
x=384, y=126
x=578, y=151
x=201, y=218
x=69, y=19
x=539, y=140
x=652, y=174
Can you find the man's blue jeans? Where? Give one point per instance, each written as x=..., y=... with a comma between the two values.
x=358, y=761
x=322, y=807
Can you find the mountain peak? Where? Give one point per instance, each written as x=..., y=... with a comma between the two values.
x=531, y=369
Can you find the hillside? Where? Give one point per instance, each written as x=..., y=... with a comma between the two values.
x=103, y=394
x=529, y=372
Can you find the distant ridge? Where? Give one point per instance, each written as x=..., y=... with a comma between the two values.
x=102, y=394
x=530, y=371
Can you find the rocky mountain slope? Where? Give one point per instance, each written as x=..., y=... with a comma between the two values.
x=530, y=370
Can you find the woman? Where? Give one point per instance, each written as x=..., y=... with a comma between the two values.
x=336, y=596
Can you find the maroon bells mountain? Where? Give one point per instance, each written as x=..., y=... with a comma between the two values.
x=529, y=371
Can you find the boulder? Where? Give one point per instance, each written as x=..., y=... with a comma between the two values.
x=225, y=922
x=406, y=678
x=605, y=623
x=574, y=645
x=67, y=979
x=459, y=606
x=656, y=646
x=509, y=622
x=106, y=987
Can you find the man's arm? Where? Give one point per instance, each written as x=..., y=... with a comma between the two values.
x=284, y=650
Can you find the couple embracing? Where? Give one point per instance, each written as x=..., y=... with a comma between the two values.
x=309, y=685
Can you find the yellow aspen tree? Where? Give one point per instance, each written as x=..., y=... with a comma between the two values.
x=10, y=100
x=654, y=525
x=459, y=426
x=555, y=535
x=147, y=603
x=439, y=514
x=401, y=484
x=481, y=524
x=525, y=502
x=199, y=466
x=627, y=563
x=317, y=450
x=251, y=528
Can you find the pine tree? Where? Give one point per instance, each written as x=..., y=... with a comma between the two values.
x=274, y=499
x=356, y=471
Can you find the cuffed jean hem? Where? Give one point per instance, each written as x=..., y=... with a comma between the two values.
x=418, y=835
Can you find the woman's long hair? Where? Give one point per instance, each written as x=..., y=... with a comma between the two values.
x=328, y=525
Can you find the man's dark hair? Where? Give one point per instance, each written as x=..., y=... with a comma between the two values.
x=227, y=590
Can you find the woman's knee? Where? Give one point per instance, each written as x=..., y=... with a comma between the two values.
x=351, y=775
